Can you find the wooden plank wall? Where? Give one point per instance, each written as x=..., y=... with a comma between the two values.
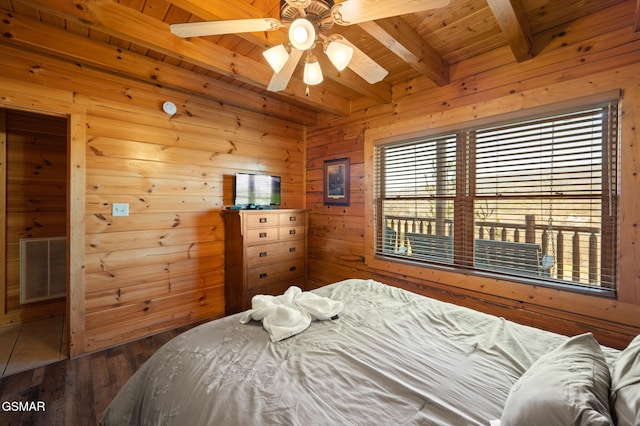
x=35, y=199
x=163, y=265
x=594, y=55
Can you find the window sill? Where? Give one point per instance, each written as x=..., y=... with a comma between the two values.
x=457, y=276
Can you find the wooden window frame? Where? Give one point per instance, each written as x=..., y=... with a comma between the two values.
x=465, y=196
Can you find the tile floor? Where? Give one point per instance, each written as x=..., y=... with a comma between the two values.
x=31, y=345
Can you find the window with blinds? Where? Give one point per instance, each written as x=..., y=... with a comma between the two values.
x=532, y=199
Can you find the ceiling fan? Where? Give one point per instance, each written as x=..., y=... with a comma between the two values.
x=308, y=21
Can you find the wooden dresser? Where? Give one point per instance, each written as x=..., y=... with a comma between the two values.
x=265, y=253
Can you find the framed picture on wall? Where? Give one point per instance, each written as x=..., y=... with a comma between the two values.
x=336, y=182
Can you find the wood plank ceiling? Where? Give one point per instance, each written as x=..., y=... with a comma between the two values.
x=132, y=37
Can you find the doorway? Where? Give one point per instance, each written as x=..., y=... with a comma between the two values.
x=34, y=175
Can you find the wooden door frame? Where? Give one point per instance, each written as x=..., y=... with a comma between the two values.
x=75, y=211
x=3, y=211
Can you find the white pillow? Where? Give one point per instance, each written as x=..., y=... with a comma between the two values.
x=625, y=385
x=567, y=386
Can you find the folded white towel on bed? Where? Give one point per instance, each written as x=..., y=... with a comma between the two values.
x=319, y=307
x=290, y=313
x=285, y=322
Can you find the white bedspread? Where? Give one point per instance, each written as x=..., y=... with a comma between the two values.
x=392, y=358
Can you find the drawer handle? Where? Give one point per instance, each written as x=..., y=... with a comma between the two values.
x=292, y=231
x=292, y=249
x=292, y=218
x=263, y=254
x=263, y=275
x=292, y=268
x=263, y=235
x=263, y=220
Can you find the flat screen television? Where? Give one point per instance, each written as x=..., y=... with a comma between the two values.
x=256, y=191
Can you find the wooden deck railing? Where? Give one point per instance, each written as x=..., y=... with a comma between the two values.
x=576, y=261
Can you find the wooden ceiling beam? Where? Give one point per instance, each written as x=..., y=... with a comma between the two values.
x=239, y=9
x=395, y=34
x=123, y=22
x=209, y=10
x=514, y=24
x=28, y=32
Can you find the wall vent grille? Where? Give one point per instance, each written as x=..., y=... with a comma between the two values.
x=43, y=269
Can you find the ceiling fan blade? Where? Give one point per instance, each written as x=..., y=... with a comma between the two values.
x=355, y=11
x=364, y=66
x=280, y=79
x=234, y=26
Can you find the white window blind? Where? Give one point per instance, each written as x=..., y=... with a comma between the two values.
x=535, y=198
x=416, y=198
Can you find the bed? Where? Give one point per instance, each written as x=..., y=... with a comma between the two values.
x=390, y=357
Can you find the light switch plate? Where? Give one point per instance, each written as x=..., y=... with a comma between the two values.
x=120, y=209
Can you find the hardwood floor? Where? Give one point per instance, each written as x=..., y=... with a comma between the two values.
x=76, y=391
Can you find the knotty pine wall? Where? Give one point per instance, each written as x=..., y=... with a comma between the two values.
x=35, y=199
x=594, y=55
x=163, y=265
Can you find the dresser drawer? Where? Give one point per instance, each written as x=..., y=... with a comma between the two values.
x=288, y=233
x=287, y=271
x=261, y=235
x=277, y=252
x=291, y=219
x=262, y=219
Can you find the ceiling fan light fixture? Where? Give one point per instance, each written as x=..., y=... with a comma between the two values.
x=276, y=56
x=339, y=54
x=312, y=72
x=302, y=34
